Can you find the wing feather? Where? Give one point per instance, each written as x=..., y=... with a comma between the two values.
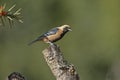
x=51, y=32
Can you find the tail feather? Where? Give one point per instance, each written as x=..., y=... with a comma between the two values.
x=38, y=39
x=32, y=42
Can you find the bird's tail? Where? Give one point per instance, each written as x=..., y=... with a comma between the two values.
x=32, y=42
x=38, y=39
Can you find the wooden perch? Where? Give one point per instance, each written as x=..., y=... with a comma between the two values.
x=60, y=68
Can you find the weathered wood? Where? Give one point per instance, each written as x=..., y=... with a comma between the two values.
x=15, y=76
x=60, y=68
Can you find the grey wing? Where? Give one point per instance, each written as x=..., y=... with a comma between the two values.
x=51, y=32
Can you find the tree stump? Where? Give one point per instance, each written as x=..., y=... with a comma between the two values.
x=60, y=68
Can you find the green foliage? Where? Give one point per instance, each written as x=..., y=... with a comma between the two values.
x=9, y=15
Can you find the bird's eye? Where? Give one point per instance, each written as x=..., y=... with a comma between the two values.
x=66, y=28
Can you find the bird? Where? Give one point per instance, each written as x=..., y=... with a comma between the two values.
x=53, y=35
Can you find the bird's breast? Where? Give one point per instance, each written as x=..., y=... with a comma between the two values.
x=55, y=37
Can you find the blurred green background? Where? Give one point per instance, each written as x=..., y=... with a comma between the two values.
x=93, y=46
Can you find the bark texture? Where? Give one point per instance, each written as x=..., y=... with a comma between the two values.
x=15, y=76
x=60, y=68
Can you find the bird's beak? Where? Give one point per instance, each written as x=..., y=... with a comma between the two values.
x=70, y=29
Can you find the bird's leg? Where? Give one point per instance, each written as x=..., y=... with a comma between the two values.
x=51, y=44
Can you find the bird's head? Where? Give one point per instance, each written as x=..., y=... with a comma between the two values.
x=65, y=28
